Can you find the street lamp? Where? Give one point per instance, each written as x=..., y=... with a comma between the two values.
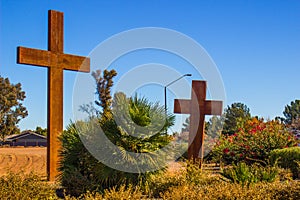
x=168, y=86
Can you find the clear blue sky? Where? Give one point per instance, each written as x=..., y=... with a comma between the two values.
x=255, y=45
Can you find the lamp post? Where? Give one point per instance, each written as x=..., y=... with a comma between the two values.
x=165, y=88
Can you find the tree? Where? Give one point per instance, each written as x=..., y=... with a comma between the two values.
x=104, y=84
x=41, y=131
x=235, y=114
x=186, y=125
x=213, y=128
x=292, y=113
x=11, y=108
x=132, y=124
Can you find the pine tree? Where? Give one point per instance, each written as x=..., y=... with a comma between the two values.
x=234, y=114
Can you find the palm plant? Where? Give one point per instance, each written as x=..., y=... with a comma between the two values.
x=135, y=127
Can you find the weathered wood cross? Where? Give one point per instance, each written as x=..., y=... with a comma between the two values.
x=56, y=61
x=197, y=107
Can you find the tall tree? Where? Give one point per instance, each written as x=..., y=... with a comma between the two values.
x=104, y=84
x=292, y=113
x=11, y=108
x=213, y=128
x=186, y=125
x=234, y=114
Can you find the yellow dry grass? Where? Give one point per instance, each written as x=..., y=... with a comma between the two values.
x=21, y=159
x=33, y=159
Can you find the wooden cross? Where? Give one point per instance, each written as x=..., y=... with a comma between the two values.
x=197, y=107
x=56, y=61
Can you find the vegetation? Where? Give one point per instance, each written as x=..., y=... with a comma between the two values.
x=234, y=114
x=247, y=174
x=253, y=142
x=132, y=125
x=255, y=151
x=41, y=131
x=165, y=186
x=292, y=112
x=20, y=186
x=11, y=107
x=287, y=158
x=103, y=85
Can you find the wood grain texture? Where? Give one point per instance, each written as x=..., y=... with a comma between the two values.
x=197, y=107
x=56, y=61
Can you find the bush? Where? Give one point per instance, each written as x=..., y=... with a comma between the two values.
x=20, y=186
x=191, y=174
x=222, y=190
x=245, y=174
x=254, y=141
x=130, y=127
x=122, y=192
x=287, y=158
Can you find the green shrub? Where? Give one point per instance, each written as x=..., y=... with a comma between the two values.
x=158, y=184
x=131, y=127
x=287, y=158
x=245, y=174
x=254, y=141
x=20, y=186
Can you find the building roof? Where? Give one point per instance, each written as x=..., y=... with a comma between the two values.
x=24, y=134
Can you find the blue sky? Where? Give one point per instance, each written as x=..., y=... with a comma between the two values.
x=255, y=45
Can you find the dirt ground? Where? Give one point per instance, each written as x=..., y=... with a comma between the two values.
x=21, y=159
x=33, y=159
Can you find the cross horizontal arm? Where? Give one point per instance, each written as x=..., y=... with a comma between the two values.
x=44, y=58
x=213, y=107
x=31, y=56
x=74, y=63
x=182, y=106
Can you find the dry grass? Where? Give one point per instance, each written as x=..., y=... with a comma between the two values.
x=25, y=160
x=175, y=184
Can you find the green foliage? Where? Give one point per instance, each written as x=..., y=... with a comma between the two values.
x=254, y=141
x=20, y=186
x=245, y=174
x=292, y=112
x=287, y=158
x=190, y=174
x=11, y=107
x=41, y=131
x=213, y=128
x=103, y=85
x=235, y=114
x=186, y=125
x=82, y=172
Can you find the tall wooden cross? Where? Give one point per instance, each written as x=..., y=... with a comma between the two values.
x=56, y=61
x=197, y=107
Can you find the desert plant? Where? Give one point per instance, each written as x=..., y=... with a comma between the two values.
x=287, y=158
x=82, y=172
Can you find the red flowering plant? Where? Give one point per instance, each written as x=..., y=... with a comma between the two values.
x=253, y=142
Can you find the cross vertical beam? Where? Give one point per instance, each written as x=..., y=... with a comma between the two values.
x=197, y=107
x=55, y=93
x=56, y=61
